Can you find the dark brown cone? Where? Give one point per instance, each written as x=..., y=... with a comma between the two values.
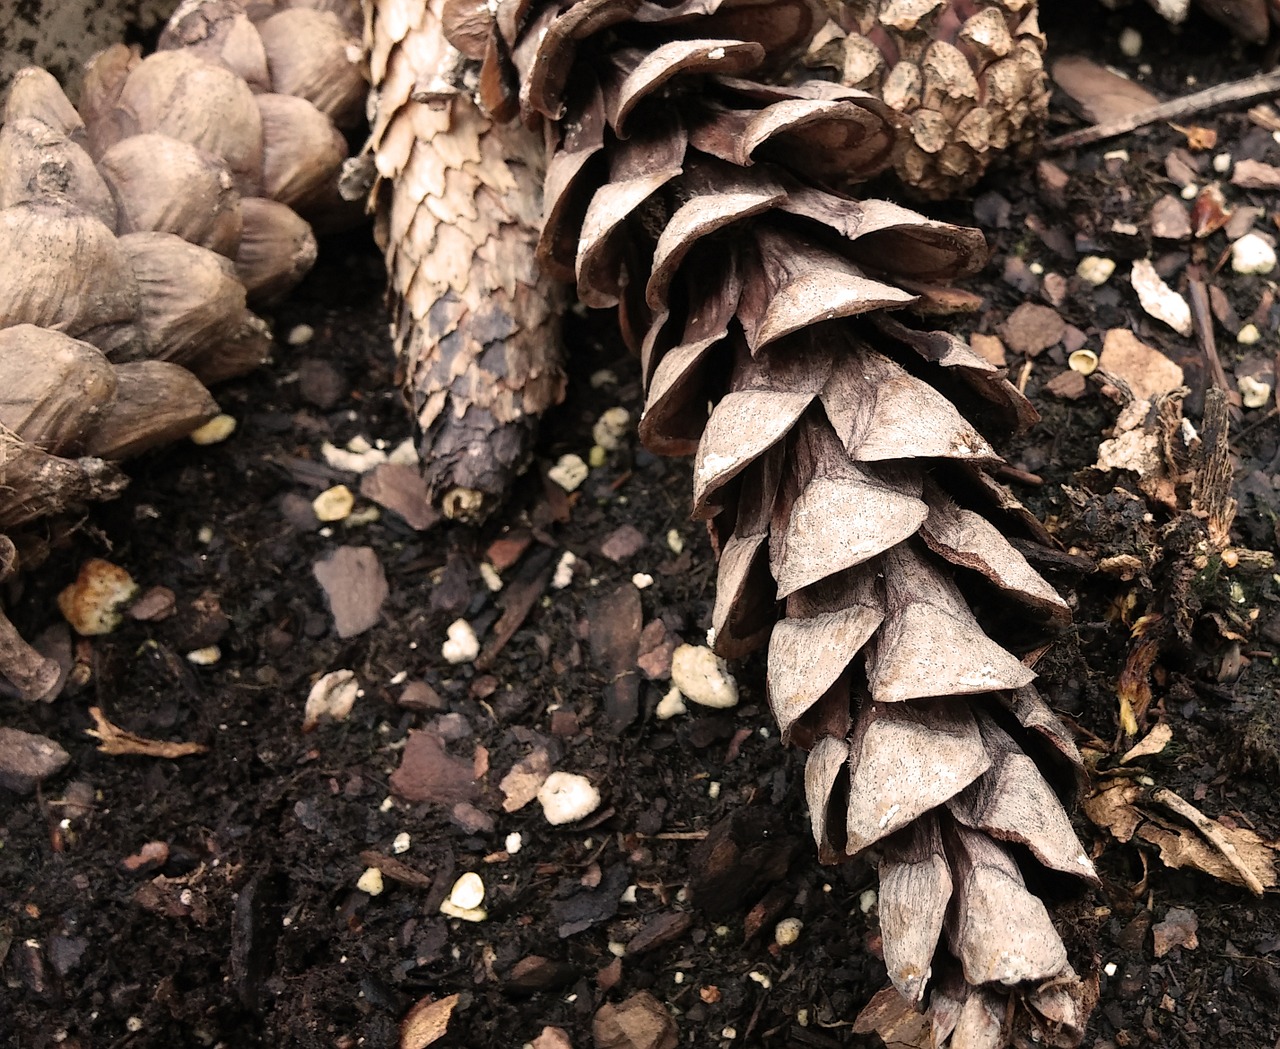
x=708, y=204
x=968, y=75
x=476, y=322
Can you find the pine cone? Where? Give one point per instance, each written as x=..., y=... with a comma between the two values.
x=968, y=73
x=135, y=233
x=476, y=323
x=844, y=490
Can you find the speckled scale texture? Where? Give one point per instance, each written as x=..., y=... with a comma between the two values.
x=969, y=75
x=476, y=322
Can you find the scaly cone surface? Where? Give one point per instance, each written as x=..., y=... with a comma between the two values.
x=476, y=322
x=847, y=495
x=969, y=75
x=137, y=232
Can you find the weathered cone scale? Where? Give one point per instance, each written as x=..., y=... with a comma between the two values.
x=136, y=232
x=968, y=75
x=701, y=187
x=475, y=318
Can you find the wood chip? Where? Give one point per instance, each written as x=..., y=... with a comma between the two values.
x=1253, y=174
x=428, y=772
x=1032, y=329
x=426, y=1022
x=640, y=1022
x=26, y=759
x=1148, y=372
x=356, y=587
x=401, y=489
x=115, y=740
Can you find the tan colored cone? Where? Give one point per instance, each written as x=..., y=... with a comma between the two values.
x=475, y=318
x=711, y=204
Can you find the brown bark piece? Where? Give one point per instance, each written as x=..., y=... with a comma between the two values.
x=26, y=760
x=639, y=1022
x=355, y=587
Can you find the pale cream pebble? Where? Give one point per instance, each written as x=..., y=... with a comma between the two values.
x=1253, y=393
x=671, y=705
x=675, y=542
x=461, y=645
x=300, y=335
x=371, y=881
x=1251, y=254
x=332, y=696
x=597, y=457
x=787, y=931
x=611, y=428
x=215, y=431
x=564, y=571
x=468, y=891
x=333, y=504
x=514, y=842
x=642, y=580
x=703, y=677
x=93, y=603
x=569, y=472
x=1130, y=42
x=204, y=657
x=402, y=843
x=492, y=581
x=1095, y=270
x=1248, y=335
x=567, y=797
x=352, y=460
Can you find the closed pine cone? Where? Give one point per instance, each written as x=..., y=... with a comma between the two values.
x=706, y=201
x=969, y=75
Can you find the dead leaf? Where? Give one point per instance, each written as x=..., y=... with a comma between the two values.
x=896, y=1021
x=331, y=697
x=1153, y=743
x=115, y=740
x=1032, y=329
x=1099, y=93
x=1253, y=174
x=426, y=1022
x=401, y=489
x=1148, y=372
x=521, y=785
x=1198, y=138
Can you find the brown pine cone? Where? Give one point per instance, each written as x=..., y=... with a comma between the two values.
x=135, y=233
x=476, y=323
x=969, y=74
x=844, y=490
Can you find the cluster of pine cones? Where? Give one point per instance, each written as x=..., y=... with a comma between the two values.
x=693, y=164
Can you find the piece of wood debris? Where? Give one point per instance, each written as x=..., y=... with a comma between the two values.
x=115, y=740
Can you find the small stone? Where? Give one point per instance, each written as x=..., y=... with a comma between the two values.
x=300, y=335
x=93, y=603
x=371, y=881
x=352, y=460
x=787, y=931
x=1158, y=299
x=623, y=543
x=1251, y=254
x=333, y=504
x=156, y=603
x=1148, y=372
x=514, y=842
x=1222, y=163
x=1253, y=393
x=703, y=677
x=675, y=542
x=1083, y=361
x=671, y=705
x=462, y=645
x=569, y=472
x=331, y=697
x=1069, y=385
x=468, y=891
x=1130, y=42
x=566, y=797
x=642, y=580
x=27, y=759
x=1248, y=335
x=989, y=348
x=611, y=428
x=321, y=384
x=1169, y=219
x=597, y=457
x=401, y=843
x=1095, y=270
x=205, y=657
x=564, y=571
x=1031, y=329
x=215, y=431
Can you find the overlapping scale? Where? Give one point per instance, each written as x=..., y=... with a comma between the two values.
x=846, y=492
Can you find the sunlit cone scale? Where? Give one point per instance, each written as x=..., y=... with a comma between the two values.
x=968, y=75
x=137, y=231
x=475, y=319
x=846, y=493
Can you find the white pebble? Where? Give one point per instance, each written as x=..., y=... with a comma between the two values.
x=1252, y=254
x=671, y=705
x=404, y=454
x=761, y=978
x=867, y=900
x=401, y=843
x=787, y=931
x=1222, y=163
x=489, y=574
x=569, y=472
x=611, y=428
x=617, y=948
x=703, y=677
x=566, y=797
x=205, y=657
x=1110, y=968
x=333, y=504
x=354, y=460
x=1253, y=393
x=332, y=697
x=642, y=580
x=215, y=431
x=1084, y=361
x=713, y=790
x=628, y=895
x=514, y=842
x=564, y=571
x=1190, y=191
x=1095, y=269
x=371, y=881
x=1248, y=335
x=1158, y=299
x=1130, y=42
x=462, y=645
x=301, y=334
x=675, y=542
x=467, y=892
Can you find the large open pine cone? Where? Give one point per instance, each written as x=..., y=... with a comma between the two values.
x=136, y=233
x=969, y=74
x=707, y=201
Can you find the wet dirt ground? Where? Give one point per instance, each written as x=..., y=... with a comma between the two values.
x=247, y=927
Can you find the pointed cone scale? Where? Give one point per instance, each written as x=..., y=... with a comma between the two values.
x=915, y=888
x=905, y=759
x=827, y=762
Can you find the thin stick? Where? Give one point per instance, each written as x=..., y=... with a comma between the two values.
x=1176, y=109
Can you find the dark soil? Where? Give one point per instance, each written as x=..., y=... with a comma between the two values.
x=252, y=932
